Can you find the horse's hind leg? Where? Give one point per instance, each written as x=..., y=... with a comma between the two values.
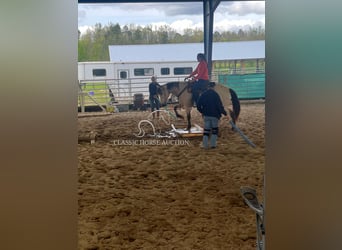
x=233, y=117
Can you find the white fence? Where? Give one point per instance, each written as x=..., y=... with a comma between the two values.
x=110, y=92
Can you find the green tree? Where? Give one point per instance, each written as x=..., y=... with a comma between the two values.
x=93, y=44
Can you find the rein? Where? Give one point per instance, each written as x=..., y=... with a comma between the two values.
x=182, y=91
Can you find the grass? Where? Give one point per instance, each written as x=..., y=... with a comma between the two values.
x=98, y=91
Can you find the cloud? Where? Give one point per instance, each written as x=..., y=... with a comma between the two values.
x=172, y=9
x=180, y=25
x=169, y=9
x=196, y=8
x=118, y=13
x=228, y=15
x=83, y=29
x=183, y=9
x=242, y=8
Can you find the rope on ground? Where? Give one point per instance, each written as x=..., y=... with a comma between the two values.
x=142, y=131
x=150, y=120
x=242, y=134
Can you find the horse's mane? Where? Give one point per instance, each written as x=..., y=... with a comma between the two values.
x=171, y=85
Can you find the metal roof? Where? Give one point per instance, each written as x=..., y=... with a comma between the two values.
x=186, y=51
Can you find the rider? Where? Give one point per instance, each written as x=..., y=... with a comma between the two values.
x=201, y=77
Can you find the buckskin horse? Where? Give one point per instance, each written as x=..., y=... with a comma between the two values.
x=182, y=90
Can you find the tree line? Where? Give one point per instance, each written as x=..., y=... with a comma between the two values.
x=93, y=44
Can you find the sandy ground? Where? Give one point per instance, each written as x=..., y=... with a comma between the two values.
x=168, y=193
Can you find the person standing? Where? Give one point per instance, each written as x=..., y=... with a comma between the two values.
x=201, y=76
x=153, y=91
x=210, y=106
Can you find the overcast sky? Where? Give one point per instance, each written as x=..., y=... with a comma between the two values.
x=228, y=15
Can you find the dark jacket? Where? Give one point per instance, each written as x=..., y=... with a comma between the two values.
x=210, y=104
x=153, y=89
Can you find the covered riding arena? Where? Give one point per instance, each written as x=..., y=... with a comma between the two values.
x=167, y=193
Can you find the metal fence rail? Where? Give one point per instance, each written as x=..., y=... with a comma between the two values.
x=110, y=92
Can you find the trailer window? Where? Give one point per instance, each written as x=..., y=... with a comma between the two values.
x=143, y=72
x=99, y=72
x=123, y=74
x=165, y=71
x=182, y=71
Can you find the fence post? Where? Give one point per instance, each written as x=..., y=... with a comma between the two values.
x=81, y=96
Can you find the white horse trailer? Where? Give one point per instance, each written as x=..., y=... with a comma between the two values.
x=123, y=80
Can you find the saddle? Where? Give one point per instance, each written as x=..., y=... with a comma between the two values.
x=204, y=88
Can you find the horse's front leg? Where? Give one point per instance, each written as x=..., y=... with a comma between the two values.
x=176, y=112
x=188, y=116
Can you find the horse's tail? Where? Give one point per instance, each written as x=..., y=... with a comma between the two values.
x=234, y=114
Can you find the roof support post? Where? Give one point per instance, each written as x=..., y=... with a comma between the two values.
x=209, y=7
